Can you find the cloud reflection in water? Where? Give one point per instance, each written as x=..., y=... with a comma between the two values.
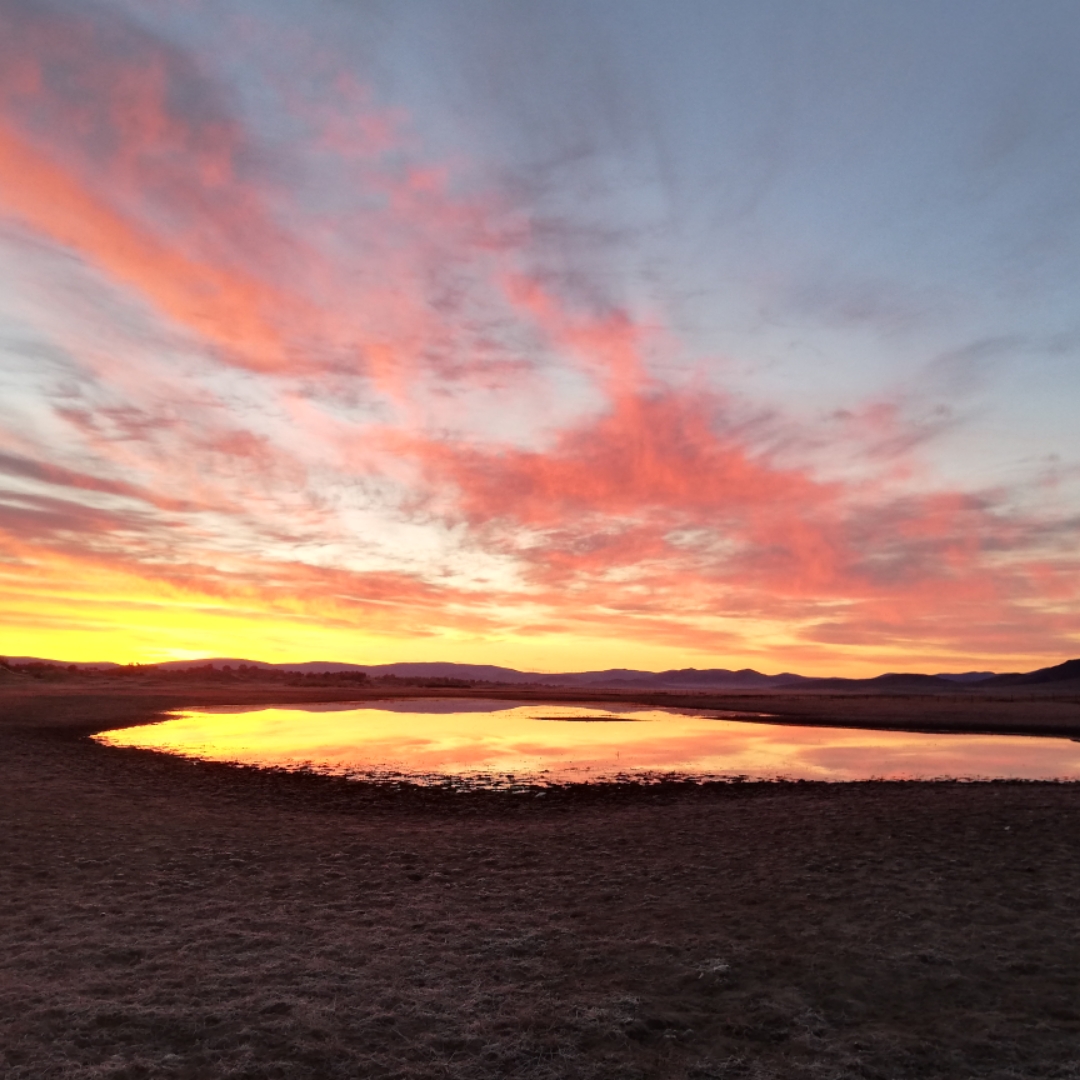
x=470, y=739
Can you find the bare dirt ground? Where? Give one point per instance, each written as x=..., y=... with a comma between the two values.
x=161, y=918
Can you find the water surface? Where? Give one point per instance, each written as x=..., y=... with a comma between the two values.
x=495, y=743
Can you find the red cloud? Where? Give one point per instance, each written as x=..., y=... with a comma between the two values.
x=660, y=504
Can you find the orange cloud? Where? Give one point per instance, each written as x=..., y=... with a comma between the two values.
x=223, y=306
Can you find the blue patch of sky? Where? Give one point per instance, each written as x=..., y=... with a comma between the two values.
x=833, y=202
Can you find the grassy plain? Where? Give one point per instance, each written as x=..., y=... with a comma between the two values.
x=162, y=918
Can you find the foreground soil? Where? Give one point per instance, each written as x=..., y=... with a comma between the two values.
x=161, y=918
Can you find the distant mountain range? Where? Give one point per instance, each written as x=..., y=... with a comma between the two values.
x=630, y=679
x=1068, y=671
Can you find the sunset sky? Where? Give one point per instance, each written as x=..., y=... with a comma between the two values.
x=560, y=334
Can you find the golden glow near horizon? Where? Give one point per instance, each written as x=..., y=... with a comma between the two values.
x=120, y=617
x=129, y=619
x=559, y=743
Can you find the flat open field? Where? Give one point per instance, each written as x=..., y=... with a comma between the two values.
x=161, y=918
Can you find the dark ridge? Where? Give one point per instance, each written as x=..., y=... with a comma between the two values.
x=1069, y=670
x=890, y=681
x=89, y=665
x=612, y=678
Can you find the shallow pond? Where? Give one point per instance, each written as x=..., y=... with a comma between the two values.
x=498, y=744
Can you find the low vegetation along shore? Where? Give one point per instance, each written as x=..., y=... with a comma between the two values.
x=163, y=918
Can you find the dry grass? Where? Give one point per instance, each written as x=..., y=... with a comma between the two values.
x=167, y=919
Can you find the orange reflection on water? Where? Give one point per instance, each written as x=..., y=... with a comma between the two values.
x=470, y=739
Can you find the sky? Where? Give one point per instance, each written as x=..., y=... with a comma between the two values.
x=561, y=335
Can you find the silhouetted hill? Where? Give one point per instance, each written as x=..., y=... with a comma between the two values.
x=891, y=681
x=610, y=678
x=966, y=676
x=685, y=678
x=482, y=672
x=96, y=665
x=1068, y=671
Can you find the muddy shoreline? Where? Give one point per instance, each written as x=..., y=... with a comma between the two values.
x=1051, y=709
x=167, y=918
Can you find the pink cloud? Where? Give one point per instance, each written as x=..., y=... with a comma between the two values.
x=400, y=357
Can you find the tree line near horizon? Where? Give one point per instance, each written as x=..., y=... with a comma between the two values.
x=227, y=673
